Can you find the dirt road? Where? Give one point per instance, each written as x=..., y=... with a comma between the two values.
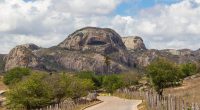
x=115, y=103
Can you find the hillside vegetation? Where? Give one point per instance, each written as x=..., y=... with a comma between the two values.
x=32, y=89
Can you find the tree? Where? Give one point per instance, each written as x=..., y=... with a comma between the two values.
x=41, y=89
x=15, y=75
x=130, y=78
x=163, y=73
x=107, y=62
x=79, y=87
x=90, y=75
x=58, y=84
x=188, y=69
x=30, y=93
x=112, y=83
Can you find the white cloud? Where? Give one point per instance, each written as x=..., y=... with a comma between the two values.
x=87, y=7
x=48, y=22
x=8, y=41
x=166, y=26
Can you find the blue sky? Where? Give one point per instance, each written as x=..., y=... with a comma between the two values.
x=132, y=7
x=162, y=24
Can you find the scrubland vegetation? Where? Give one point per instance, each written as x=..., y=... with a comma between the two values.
x=164, y=73
x=33, y=89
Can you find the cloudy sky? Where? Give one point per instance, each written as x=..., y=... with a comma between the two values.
x=161, y=23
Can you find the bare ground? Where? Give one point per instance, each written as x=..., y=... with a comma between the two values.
x=115, y=103
x=189, y=91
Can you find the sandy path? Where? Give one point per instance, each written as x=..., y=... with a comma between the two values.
x=115, y=103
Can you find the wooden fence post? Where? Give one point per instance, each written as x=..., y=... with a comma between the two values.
x=183, y=105
x=169, y=102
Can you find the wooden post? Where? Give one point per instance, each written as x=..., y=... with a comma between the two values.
x=175, y=105
x=169, y=102
x=166, y=102
x=172, y=104
x=179, y=104
x=183, y=105
x=197, y=106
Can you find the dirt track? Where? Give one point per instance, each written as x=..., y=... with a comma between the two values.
x=115, y=103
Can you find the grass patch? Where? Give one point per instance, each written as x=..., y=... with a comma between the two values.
x=134, y=96
x=189, y=90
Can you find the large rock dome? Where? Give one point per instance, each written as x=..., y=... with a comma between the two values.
x=86, y=49
x=101, y=40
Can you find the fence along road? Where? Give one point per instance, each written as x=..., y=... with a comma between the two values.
x=115, y=103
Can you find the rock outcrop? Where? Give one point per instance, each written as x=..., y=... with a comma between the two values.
x=85, y=49
x=134, y=43
x=22, y=56
x=101, y=50
x=144, y=58
x=101, y=40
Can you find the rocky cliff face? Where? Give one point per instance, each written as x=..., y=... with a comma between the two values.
x=85, y=49
x=95, y=49
x=134, y=43
x=144, y=58
x=100, y=40
x=22, y=56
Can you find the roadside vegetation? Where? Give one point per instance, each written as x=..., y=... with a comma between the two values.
x=164, y=73
x=15, y=75
x=31, y=89
x=34, y=89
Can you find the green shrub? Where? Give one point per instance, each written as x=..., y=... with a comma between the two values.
x=58, y=84
x=163, y=73
x=129, y=78
x=112, y=83
x=188, y=69
x=79, y=87
x=30, y=93
x=90, y=75
x=15, y=75
x=41, y=89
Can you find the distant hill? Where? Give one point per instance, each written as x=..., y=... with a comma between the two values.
x=101, y=50
x=95, y=49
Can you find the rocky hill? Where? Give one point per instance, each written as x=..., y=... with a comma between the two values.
x=23, y=56
x=96, y=49
x=144, y=58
